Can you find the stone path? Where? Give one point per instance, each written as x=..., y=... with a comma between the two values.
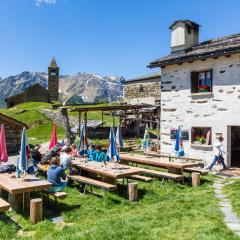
x=230, y=218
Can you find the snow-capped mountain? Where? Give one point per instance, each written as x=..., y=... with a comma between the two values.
x=82, y=87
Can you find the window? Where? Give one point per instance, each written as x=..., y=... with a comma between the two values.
x=201, y=81
x=184, y=133
x=53, y=73
x=201, y=135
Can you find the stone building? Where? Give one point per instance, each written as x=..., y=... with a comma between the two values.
x=13, y=130
x=36, y=92
x=53, y=81
x=200, y=91
x=145, y=89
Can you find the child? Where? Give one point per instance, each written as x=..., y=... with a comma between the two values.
x=91, y=153
x=74, y=152
x=99, y=155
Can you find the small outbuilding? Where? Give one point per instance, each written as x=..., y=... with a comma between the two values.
x=13, y=130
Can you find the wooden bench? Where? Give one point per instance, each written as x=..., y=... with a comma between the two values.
x=203, y=172
x=93, y=182
x=56, y=195
x=4, y=206
x=164, y=175
x=141, y=178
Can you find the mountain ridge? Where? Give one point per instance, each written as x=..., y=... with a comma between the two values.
x=74, y=88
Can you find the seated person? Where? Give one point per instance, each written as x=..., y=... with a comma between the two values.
x=55, y=175
x=91, y=153
x=36, y=156
x=66, y=158
x=99, y=155
x=74, y=151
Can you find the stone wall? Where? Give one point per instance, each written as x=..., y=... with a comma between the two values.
x=142, y=91
x=36, y=93
x=13, y=137
x=17, y=99
x=217, y=110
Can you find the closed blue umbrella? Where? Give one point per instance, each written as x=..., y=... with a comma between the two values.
x=22, y=161
x=82, y=147
x=179, y=144
x=119, y=140
x=112, y=153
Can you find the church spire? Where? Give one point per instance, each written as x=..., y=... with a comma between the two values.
x=53, y=63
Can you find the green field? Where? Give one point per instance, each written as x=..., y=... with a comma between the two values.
x=40, y=127
x=171, y=211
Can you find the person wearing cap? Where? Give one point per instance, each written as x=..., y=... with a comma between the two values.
x=36, y=156
x=66, y=158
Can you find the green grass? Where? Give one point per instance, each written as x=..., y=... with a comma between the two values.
x=172, y=211
x=40, y=127
x=232, y=190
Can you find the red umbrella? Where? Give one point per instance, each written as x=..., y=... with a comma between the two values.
x=3, y=146
x=53, y=140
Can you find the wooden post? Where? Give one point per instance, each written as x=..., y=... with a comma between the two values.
x=132, y=192
x=102, y=118
x=195, y=179
x=68, y=132
x=36, y=210
x=85, y=121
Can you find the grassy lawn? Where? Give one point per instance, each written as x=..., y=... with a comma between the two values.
x=172, y=211
x=232, y=190
x=40, y=127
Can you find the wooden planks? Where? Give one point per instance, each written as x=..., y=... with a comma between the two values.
x=141, y=178
x=59, y=195
x=93, y=182
x=155, y=162
x=111, y=170
x=4, y=206
x=165, y=175
x=14, y=185
x=203, y=172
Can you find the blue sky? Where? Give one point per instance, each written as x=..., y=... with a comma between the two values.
x=108, y=37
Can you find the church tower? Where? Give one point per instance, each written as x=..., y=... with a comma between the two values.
x=53, y=80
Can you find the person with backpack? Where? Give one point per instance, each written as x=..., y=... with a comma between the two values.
x=218, y=154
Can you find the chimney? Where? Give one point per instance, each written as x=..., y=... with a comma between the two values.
x=185, y=34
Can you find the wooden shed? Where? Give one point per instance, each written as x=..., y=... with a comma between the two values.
x=13, y=130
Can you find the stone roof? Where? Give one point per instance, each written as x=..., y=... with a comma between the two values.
x=187, y=22
x=35, y=84
x=147, y=77
x=213, y=48
x=12, y=121
x=53, y=63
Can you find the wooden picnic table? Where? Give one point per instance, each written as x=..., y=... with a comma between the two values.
x=19, y=188
x=173, y=167
x=110, y=173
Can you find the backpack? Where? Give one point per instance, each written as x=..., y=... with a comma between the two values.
x=8, y=168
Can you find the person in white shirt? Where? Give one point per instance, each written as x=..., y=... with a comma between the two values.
x=218, y=153
x=66, y=158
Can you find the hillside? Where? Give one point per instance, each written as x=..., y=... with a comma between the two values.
x=81, y=87
x=40, y=127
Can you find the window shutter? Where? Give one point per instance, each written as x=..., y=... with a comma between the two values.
x=211, y=73
x=194, y=82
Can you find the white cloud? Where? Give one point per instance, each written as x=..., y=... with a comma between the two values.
x=48, y=2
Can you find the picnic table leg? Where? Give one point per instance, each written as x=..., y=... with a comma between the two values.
x=15, y=201
x=109, y=180
x=178, y=171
